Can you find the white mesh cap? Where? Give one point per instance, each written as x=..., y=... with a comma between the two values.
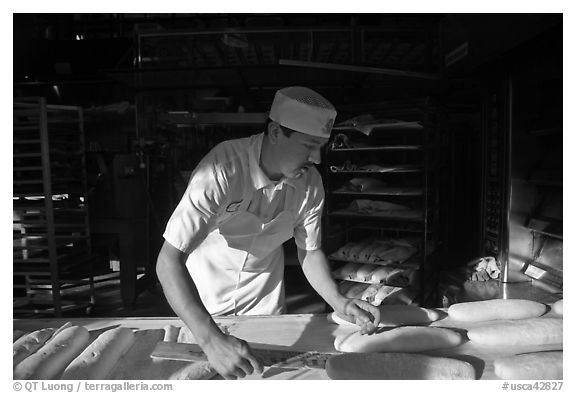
x=302, y=109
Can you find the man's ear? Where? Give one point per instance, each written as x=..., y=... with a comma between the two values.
x=274, y=131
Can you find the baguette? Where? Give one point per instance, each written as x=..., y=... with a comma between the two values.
x=171, y=333
x=558, y=307
x=383, y=293
x=398, y=366
x=381, y=249
x=400, y=339
x=100, y=357
x=348, y=271
x=50, y=360
x=367, y=251
x=396, y=254
x=344, y=251
x=364, y=272
x=534, y=331
x=494, y=309
x=401, y=278
x=28, y=344
x=398, y=315
x=354, y=252
x=369, y=293
x=382, y=273
x=535, y=365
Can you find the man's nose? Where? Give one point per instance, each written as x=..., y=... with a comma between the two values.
x=315, y=157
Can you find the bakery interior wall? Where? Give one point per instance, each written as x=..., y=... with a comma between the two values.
x=159, y=90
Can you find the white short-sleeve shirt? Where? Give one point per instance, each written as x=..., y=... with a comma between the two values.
x=220, y=181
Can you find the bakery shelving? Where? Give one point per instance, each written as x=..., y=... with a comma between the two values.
x=51, y=236
x=381, y=201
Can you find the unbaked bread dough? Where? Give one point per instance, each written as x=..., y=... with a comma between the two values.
x=397, y=315
x=27, y=344
x=533, y=331
x=100, y=357
x=50, y=360
x=399, y=339
x=171, y=333
x=558, y=307
x=399, y=366
x=534, y=365
x=487, y=310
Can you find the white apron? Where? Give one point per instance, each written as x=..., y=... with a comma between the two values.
x=239, y=267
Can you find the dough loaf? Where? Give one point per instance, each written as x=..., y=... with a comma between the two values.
x=398, y=366
x=100, y=357
x=50, y=360
x=535, y=365
x=487, y=310
x=399, y=339
x=558, y=307
x=395, y=315
x=27, y=344
x=534, y=331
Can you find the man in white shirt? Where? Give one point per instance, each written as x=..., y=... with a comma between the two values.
x=223, y=254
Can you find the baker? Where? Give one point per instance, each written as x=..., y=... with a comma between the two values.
x=222, y=251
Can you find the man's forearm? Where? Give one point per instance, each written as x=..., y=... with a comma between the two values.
x=317, y=271
x=183, y=297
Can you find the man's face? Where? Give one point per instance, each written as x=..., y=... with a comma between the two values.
x=298, y=152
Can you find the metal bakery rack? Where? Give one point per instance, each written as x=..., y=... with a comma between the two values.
x=382, y=187
x=52, y=256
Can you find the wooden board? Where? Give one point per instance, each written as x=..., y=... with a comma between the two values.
x=270, y=355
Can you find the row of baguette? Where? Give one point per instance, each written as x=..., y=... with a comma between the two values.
x=378, y=251
x=374, y=270
x=72, y=353
x=66, y=353
x=378, y=293
x=393, y=351
x=373, y=274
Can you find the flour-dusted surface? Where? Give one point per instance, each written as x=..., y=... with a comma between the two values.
x=303, y=332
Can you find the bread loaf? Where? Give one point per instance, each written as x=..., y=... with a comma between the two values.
x=487, y=310
x=98, y=359
x=397, y=315
x=383, y=293
x=171, y=333
x=534, y=331
x=194, y=371
x=369, y=294
x=400, y=339
x=50, y=360
x=348, y=271
x=364, y=272
x=27, y=344
x=558, y=307
x=535, y=365
x=383, y=273
x=398, y=366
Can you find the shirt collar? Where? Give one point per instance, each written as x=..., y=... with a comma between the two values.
x=259, y=178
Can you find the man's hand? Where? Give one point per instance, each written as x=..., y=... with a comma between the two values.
x=231, y=357
x=364, y=314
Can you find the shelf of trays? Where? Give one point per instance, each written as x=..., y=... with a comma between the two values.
x=51, y=236
x=378, y=180
x=380, y=271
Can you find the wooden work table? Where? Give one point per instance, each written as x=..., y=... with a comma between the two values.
x=298, y=331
